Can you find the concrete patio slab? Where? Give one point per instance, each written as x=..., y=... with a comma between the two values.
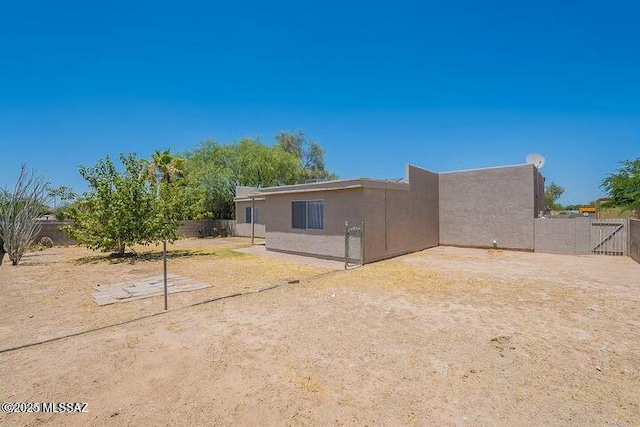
x=144, y=288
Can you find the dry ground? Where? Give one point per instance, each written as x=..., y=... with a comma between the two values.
x=447, y=336
x=50, y=293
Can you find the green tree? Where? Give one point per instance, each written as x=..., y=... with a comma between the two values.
x=213, y=171
x=551, y=194
x=310, y=155
x=166, y=171
x=209, y=179
x=122, y=208
x=65, y=195
x=623, y=186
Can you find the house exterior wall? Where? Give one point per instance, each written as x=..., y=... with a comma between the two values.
x=242, y=227
x=538, y=188
x=399, y=221
x=480, y=206
x=634, y=239
x=399, y=218
x=339, y=206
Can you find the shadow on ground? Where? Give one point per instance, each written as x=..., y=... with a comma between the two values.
x=152, y=256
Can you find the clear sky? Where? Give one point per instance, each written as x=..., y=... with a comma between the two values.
x=444, y=85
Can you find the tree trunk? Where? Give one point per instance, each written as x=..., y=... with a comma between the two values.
x=121, y=248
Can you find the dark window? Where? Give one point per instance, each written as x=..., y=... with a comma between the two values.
x=307, y=215
x=299, y=215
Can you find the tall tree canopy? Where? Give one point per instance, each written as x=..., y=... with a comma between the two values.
x=214, y=170
x=623, y=186
x=310, y=154
x=551, y=194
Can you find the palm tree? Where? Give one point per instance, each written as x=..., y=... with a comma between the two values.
x=165, y=166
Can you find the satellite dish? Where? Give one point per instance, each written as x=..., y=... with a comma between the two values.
x=536, y=160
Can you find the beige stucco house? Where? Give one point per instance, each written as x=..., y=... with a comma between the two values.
x=493, y=207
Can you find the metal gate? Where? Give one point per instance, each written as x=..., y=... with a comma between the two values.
x=609, y=237
x=353, y=245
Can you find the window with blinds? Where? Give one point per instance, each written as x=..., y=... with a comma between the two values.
x=247, y=215
x=307, y=215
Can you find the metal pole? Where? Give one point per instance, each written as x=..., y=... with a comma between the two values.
x=362, y=243
x=346, y=244
x=253, y=221
x=164, y=258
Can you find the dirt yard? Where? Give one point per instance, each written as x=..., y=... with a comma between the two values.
x=452, y=337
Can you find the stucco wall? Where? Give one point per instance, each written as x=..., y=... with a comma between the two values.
x=634, y=239
x=315, y=245
x=242, y=227
x=399, y=221
x=398, y=218
x=480, y=206
x=339, y=206
x=51, y=229
x=563, y=236
x=244, y=230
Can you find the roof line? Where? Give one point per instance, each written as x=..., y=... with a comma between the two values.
x=488, y=168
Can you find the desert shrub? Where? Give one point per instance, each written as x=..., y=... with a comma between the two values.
x=46, y=242
x=20, y=208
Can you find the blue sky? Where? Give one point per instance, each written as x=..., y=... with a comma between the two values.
x=443, y=85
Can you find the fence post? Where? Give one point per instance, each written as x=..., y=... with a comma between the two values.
x=346, y=244
x=253, y=219
x=362, y=243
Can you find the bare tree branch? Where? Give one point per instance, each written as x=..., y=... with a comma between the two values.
x=19, y=211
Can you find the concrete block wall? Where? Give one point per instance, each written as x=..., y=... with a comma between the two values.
x=634, y=239
x=229, y=224
x=196, y=228
x=52, y=230
x=205, y=227
x=478, y=207
x=563, y=236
